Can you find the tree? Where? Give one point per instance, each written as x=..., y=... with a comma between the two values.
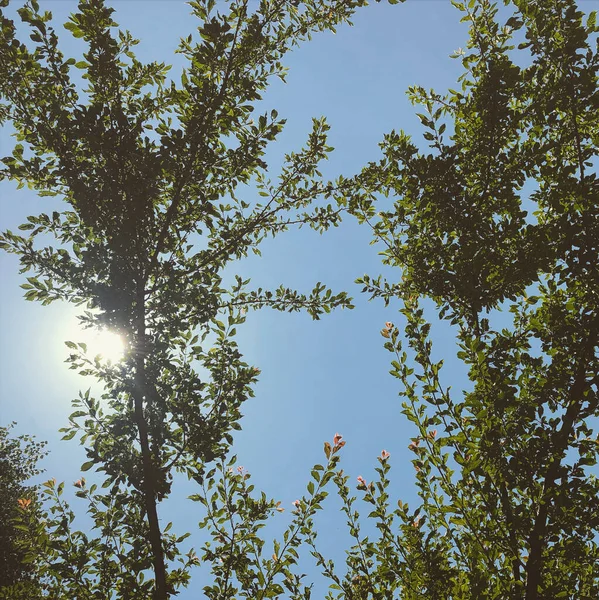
x=148, y=167
x=19, y=458
x=499, y=215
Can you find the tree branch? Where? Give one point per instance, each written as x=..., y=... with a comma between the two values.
x=536, y=540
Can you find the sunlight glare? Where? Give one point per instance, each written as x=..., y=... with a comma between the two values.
x=108, y=344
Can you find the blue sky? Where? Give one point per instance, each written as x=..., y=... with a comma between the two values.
x=318, y=378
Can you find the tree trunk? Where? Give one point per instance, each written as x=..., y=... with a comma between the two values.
x=149, y=484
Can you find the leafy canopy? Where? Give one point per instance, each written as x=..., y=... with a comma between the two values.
x=152, y=176
x=506, y=469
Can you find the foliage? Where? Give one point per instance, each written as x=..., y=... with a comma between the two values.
x=508, y=497
x=154, y=174
x=507, y=485
x=19, y=458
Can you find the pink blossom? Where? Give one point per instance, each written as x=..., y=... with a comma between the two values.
x=240, y=470
x=296, y=503
x=389, y=325
x=385, y=455
x=361, y=481
x=414, y=444
x=79, y=483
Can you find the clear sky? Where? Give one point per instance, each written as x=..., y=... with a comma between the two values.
x=318, y=378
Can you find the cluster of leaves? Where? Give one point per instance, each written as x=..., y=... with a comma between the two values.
x=19, y=458
x=111, y=559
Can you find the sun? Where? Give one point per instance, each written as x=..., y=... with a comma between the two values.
x=108, y=344
x=102, y=341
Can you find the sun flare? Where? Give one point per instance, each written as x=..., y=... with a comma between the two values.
x=109, y=345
